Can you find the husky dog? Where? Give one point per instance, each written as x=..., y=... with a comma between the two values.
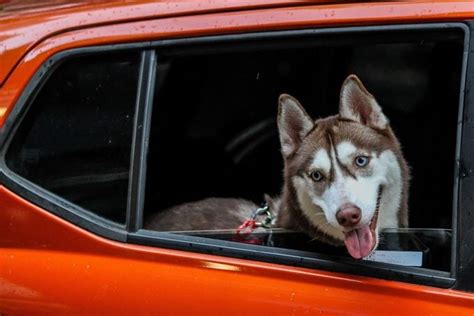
x=345, y=178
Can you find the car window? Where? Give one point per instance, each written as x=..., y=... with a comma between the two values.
x=75, y=140
x=214, y=134
x=209, y=145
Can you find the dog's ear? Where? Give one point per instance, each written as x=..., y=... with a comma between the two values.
x=357, y=104
x=293, y=124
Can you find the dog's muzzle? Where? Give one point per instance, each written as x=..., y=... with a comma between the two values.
x=360, y=241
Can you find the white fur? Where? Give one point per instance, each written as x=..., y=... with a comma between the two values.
x=286, y=147
x=392, y=194
x=345, y=151
x=361, y=191
x=306, y=199
x=321, y=161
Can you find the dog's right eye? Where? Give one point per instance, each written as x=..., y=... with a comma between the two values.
x=316, y=176
x=361, y=161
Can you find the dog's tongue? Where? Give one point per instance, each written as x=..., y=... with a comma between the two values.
x=359, y=242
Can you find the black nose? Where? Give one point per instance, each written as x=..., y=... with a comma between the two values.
x=348, y=216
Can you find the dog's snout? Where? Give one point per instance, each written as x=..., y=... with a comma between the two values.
x=348, y=216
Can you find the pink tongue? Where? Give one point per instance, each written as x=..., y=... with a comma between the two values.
x=359, y=242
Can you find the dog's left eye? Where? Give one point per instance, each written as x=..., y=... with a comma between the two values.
x=316, y=175
x=361, y=161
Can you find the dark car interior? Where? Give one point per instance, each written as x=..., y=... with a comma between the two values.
x=214, y=117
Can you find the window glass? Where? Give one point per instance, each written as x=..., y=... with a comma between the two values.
x=75, y=140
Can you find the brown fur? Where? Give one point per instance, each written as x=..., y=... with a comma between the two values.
x=365, y=127
x=207, y=214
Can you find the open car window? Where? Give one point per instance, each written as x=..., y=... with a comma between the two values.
x=214, y=134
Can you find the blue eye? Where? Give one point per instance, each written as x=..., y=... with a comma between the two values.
x=361, y=161
x=316, y=176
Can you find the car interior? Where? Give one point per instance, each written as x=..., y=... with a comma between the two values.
x=214, y=118
x=214, y=130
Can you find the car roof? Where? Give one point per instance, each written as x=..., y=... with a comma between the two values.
x=23, y=24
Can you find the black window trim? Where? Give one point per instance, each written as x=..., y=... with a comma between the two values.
x=463, y=246
x=142, y=121
x=131, y=232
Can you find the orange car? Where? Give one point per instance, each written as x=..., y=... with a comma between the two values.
x=112, y=111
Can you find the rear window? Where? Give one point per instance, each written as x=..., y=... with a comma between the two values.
x=75, y=140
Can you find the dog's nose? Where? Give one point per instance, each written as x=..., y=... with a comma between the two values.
x=348, y=216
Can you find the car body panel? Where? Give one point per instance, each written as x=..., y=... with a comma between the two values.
x=22, y=25
x=50, y=265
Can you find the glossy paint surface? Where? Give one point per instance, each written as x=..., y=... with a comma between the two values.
x=48, y=265
x=22, y=25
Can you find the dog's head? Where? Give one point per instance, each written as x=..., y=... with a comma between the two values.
x=344, y=170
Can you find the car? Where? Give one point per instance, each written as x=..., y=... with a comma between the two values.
x=111, y=111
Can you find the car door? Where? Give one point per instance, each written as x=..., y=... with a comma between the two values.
x=102, y=134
